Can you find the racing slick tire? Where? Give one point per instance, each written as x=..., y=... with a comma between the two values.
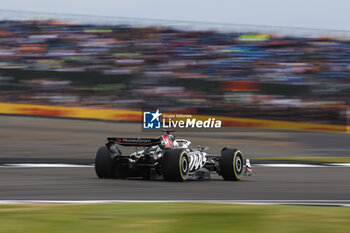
x=104, y=166
x=175, y=165
x=231, y=164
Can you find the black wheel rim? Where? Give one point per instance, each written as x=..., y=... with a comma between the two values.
x=184, y=165
x=239, y=164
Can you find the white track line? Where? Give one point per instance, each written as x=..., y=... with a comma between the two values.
x=44, y=165
x=289, y=165
x=62, y=165
x=343, y=203
x=339, y=164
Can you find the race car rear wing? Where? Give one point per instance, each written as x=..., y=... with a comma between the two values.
x=135, y=141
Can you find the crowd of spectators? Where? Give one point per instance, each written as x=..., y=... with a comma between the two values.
x=236, y=74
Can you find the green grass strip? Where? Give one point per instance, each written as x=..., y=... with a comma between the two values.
x=171, y=217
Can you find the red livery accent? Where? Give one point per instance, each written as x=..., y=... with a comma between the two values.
x=166, y=140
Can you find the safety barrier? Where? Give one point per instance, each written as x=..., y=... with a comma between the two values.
x=70, y=112
x=136, y=116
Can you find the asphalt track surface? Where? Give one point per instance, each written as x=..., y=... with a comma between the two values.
x=28, y=139
x=266, y=184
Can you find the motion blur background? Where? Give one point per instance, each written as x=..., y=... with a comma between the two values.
x=108, y=59
x=278, y=73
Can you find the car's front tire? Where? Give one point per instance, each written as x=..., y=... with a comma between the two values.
x=175, y=165
x=104, y=165
x=231, y=164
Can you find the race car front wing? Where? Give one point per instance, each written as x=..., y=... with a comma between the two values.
x=247, y=168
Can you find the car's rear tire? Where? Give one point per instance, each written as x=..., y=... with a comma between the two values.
x=104, y=165
x=231, y=164
x=175, y=165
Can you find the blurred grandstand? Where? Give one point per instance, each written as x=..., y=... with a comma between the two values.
x=122, y=63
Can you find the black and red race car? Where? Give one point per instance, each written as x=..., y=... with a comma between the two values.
x=168, y=158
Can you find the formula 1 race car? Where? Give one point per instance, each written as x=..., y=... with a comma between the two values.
x=168, y=158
